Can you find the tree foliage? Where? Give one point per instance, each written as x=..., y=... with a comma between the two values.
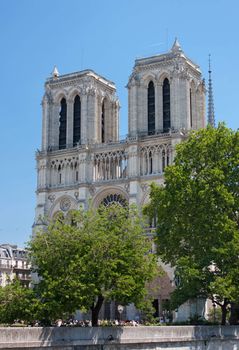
x=197, y=213
x=89, y=257
x=17, y=303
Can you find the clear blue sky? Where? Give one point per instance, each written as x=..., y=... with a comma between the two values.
x=106, y=36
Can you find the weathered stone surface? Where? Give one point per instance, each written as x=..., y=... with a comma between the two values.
x=122, y=338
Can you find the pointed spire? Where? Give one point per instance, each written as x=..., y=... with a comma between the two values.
x=55, y=73
x=210, y=115
x=176, y=46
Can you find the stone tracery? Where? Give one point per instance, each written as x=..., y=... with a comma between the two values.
x=110, y=165
x=154, y=158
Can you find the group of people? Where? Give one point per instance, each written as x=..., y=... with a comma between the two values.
x=87, y=323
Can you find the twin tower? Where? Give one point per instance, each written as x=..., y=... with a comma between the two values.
x=82, y=158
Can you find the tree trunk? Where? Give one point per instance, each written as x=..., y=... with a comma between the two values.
x=95, y=309
x=224, y=314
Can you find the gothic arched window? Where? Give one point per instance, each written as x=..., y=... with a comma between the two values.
x=151, y=108
x=166, y=105
x=77, y=121
x=150, y=163
x=62, y=126
x=103, y=122
x=163, y=161
x=114, y=199
x=191, y=110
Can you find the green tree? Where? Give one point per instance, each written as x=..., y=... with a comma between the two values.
x=197, y=215
x=92, y=256
x=17, y=303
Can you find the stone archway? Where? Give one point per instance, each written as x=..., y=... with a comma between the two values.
x=109, y=196
x=63, y=204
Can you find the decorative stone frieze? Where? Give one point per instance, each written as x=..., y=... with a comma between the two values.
x=65, y=204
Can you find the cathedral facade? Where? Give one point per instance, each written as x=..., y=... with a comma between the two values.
x=83, y=160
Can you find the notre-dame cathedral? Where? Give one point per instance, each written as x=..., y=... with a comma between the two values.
x=83, y=160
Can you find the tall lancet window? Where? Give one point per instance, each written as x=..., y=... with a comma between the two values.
x=77, y=121
x=151, y=108
x=166, y=105
x=191, y=110
x=62, y=126
x=103, y=122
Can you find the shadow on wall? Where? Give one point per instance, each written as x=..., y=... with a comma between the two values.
x=69, y=336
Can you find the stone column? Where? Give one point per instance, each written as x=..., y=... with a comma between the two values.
x=42, y=174
x=45, y=123
x=82, y=167
x=200, y=98
x=92, y=117
x=98, y=119
x=55, y=125
x=160, y=161
x=133, y=109
x=187, y=103
x=142, y=125
x=116, y=120
x=89, y=167
x=155, y=162
x=70, y=123
x=133, y=161
x=182, y=104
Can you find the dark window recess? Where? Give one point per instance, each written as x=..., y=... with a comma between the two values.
x=150, y=163
x=103, y=123
x=166, y=106
x=163, y=160
x=155, y=305
x=151, y=108
x=191, y=112
x=77, y=121
x=62, y=127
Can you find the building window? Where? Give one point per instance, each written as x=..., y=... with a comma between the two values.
x=59, y=175
x=114, y=199
x=151, y=108
x=103, y=122
x=163, y=161
x=191, y=111
x=62, y=126
x=166, y=105
x=150, y=163
x=77, y=121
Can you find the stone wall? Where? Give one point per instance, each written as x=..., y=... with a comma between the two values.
x=118, y=338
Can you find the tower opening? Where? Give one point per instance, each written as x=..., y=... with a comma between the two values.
x=151, y=108
x=166, y=106
x=63, y=124
x=103, y=122
x=77, y=121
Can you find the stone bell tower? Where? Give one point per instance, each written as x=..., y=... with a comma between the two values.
x=78, y=108
x=166, y=92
